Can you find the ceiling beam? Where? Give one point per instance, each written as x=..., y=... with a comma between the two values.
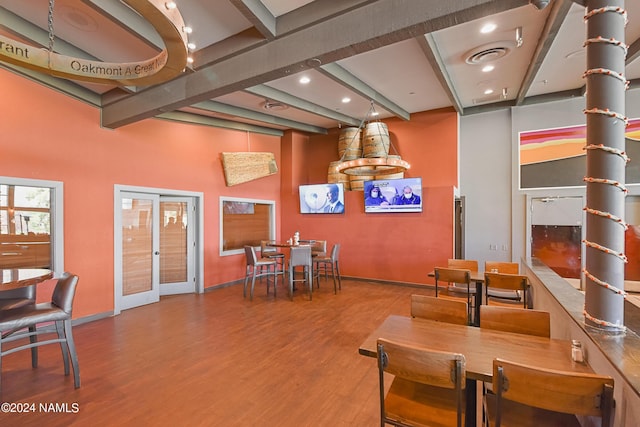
x=272, y=94
x=369, y=27
x=633, y=53
x=557, y=15
x=64, y=86
x=348, y=80
x=128, y=19
x=182, y=117
x=243, y=113
x=430, y=50
x=315, y=12
x=258, y=14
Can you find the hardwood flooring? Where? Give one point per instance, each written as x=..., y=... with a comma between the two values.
x=217, y=359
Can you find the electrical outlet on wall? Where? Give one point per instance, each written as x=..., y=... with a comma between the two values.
x=493, y=247
x=505, y=248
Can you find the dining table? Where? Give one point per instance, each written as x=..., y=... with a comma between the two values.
x=479, y=346
x=14, y=278
x=476, y=277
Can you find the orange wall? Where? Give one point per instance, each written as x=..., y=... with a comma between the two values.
x=396, y=247
x=50, y=136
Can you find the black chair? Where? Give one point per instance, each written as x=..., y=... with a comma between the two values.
x=13, y=322
x=263, y=267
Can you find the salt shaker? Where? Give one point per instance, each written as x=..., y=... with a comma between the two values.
x=576, y=351
x=296, y=238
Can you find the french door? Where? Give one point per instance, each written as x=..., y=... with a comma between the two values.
x=154, y=248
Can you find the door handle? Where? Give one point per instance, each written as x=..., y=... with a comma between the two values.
x=156, y=253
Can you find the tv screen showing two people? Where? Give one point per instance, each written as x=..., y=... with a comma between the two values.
x=322, y=198
x=393, y=195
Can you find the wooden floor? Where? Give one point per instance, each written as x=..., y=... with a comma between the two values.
x=217, y=359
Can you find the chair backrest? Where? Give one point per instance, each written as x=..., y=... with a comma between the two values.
x=319, y=246
x=502, y=267
x=567, y=392
x=25, y=292
x=265, y=248
x=421, y=365
x=440, y=309
x=513, y=282
x=463, y=264
x=511, y=319
x=335, y=252
x=64, y=292
x=300, y=255
x=452, y=275
x=250, y=254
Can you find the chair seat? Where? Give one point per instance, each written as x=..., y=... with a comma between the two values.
x=459, y=287
x=22, y=317
x=515, y=414
x=503, y=294
x=422, y=404
x=11, y=303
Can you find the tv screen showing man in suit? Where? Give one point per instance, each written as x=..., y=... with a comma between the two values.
x=322, y=198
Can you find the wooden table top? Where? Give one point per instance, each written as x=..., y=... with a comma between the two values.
x=13, y=278
x=479, y=346
x=286, y=245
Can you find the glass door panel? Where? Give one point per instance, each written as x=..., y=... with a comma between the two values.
x=139, y=254
x=176, y=246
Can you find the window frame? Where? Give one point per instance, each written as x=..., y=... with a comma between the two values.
x=272, y=221
x=56, y=219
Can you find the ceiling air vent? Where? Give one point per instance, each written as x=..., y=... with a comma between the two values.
x=274, y=106
x=487, y=53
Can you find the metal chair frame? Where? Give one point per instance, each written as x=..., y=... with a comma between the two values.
x=14, y=322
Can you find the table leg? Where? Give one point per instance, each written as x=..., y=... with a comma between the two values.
x=478, y=302
x=471, y=408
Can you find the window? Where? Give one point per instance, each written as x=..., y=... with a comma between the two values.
x=27, y=224
x=245, y=222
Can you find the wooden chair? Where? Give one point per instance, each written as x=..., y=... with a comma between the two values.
x=511, y=319
x=502, y=267
x=14, y=322
x=428, y=387
x=440, y=309
x=510, y=282
x=454, y=275
x=328, y=264
x=255, y=268
x=530, y=396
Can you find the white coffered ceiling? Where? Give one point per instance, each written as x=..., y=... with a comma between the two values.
x=402, y=57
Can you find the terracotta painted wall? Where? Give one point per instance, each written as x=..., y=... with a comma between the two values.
x=50, y=136
x=397, y=247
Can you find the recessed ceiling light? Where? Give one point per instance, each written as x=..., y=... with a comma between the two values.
x=375, y=113
x=488, y=68
x=191, y=46
x=346, y=100
x=304, y=80
x=488, y=91
x=487, y=28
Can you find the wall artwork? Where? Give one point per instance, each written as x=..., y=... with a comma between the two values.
x=556, y=157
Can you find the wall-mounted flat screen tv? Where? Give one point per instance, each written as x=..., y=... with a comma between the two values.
x=393, y=195
x=322, y=199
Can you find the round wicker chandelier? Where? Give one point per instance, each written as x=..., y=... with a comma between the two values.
x=372, y=164
x=170, y=62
